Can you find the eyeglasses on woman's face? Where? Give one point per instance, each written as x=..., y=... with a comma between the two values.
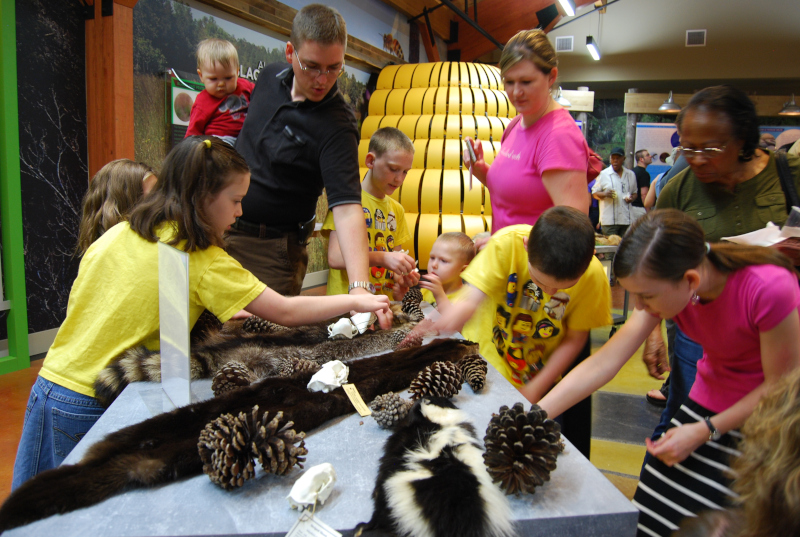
x=705, y=152
x=316, y=73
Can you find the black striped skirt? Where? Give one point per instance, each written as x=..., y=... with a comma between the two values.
x=666, y=495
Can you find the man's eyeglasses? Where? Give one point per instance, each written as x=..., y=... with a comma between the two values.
x=707, y=152
x=316, y=73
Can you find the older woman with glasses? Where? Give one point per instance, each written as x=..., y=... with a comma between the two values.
x=731, y=187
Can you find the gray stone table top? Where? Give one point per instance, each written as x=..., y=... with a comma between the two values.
x=578, y=500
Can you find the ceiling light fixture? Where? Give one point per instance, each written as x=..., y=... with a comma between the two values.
x=669, y=105
x=790, y=108
x=566, y=5
x=592, y=46
x=560, y=99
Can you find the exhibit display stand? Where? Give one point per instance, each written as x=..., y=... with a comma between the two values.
x=578, y=500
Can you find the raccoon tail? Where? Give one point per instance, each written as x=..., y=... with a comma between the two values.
x=133, y=365
x=85, y=484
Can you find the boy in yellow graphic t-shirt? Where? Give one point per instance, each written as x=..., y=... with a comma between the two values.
x=535, y=293
x=391, y=270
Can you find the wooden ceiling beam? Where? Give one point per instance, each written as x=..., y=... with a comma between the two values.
x=440, y=19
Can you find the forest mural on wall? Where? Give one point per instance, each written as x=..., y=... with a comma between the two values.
x=53, y=148
x=165, y=36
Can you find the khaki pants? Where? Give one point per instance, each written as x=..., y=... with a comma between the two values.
x=278, y=262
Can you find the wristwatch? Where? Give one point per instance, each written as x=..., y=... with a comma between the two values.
x=713, y=434
x=364, y=285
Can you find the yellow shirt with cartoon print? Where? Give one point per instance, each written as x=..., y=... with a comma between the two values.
x=386, y=229
x=518, y=326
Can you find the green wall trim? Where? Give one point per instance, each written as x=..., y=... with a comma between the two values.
x=11, y=196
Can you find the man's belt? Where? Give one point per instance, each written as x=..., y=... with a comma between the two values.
x=263, y=231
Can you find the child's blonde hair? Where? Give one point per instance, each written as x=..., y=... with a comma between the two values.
x=214, y=50
x=462, y=243
x=388, y=139
x=111, y=195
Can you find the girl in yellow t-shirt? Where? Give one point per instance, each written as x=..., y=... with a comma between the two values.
x=113, y=304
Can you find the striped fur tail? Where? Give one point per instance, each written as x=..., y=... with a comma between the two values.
x=133, y=365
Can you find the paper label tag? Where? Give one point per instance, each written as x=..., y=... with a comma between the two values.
x=311, y=526
x=355, y=398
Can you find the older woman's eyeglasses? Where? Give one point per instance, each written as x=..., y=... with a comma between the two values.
x=706, y=152
x=316, y=73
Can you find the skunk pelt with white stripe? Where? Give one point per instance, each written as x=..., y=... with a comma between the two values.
x=432, y=481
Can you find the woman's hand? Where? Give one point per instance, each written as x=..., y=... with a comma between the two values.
x=479, y=167
x=366, y=302
x=678, y=443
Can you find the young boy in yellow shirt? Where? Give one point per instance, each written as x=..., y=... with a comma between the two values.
x=450, y=255
x=390, y=156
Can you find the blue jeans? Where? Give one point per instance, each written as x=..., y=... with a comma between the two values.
x=56, y=418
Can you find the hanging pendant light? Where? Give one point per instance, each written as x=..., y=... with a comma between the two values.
x=593, y=49
x=560, y=99
x=669, y=105
x=566, y=5
x=790, y=108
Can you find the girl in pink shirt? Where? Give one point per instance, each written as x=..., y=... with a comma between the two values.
x=741, y=304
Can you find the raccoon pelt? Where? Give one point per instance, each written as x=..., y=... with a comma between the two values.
x=263, y=354
x=163, y=449
x=432, y=481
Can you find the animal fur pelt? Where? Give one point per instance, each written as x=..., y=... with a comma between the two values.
x=164, y=448
x=263, y=353
x=432, y=481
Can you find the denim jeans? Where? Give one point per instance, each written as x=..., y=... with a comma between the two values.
x=56, y=418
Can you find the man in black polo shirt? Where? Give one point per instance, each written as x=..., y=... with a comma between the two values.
x=300, y=137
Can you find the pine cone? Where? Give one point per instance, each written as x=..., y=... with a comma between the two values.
x=274, y=444
x=224, y=447
x=411, y=301
x=521, y=448
x=232, y=376
x=398, y=336
x=389, y=409
x=440, y=379
x=257, y=325
x=473, y=370
x=290, y=366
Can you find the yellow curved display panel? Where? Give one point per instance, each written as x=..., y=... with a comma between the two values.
x=439, y=105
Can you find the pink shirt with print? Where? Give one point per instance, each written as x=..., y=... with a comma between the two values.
x=514, y=180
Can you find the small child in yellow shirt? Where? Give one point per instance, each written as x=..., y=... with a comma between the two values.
x=450, y=255
x=392, y=273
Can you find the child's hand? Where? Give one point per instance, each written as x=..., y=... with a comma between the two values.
x=432, y=283
x=678, y=443
x=399, y=262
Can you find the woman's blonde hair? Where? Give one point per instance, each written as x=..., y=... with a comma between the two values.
x=768, y=471
x=111, y=195
x=531, y=45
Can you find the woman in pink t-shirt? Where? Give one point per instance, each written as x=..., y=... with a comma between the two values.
x=741, y=304
x=543, y=158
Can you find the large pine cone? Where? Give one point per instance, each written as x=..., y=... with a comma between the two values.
x=224, y=447
x=232, y=376
x=411, y=301
x=274, y=444
x=288, y=367
x=389, y=409
x=473, y=370
x=257, y=325
x=440, y=379
x=228, y=445
x=521, y=448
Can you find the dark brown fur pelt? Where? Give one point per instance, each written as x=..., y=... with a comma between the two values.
x=164, y=448
x=263, y=354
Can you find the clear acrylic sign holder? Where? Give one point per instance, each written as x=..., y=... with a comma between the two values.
x=173, y=311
